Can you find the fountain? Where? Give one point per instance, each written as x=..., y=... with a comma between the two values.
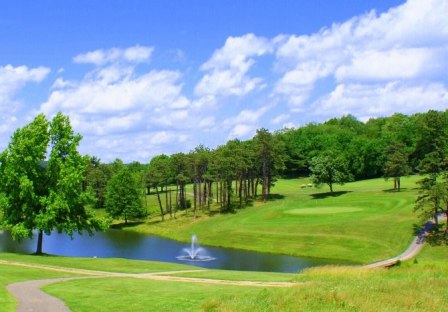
x=194, y=253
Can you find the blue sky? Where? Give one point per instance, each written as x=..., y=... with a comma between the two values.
x=141, y=78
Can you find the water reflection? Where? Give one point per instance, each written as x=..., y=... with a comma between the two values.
x=123, y=244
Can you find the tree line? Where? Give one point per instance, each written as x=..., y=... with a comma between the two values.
x=46, y=185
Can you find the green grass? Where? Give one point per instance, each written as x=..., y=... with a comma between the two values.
x=99, y=264
x=128, y=294
x=420, y=285
x=412, y=286
x=240, y=276
x=361, y=222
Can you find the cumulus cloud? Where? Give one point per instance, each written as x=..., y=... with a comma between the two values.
x=245, y=122
x=118, y=104
x=12, y=80
x=365, y=101
x=227, y=69
x=407, y=44
x=135, y=54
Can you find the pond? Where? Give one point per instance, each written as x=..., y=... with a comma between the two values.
x=130, y=245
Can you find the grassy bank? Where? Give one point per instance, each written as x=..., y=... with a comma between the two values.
x=362, y=222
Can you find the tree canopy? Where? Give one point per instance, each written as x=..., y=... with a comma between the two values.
x=45, y=194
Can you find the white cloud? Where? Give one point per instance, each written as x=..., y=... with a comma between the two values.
x=227, y=69
x=280, y=118
x=245, y=122
x=247, y=116
x=364, y=101
x=143, y=147
x=12, y=80
x=407, y=43
x=241, y=130
x=393, y=64
x=135, y=54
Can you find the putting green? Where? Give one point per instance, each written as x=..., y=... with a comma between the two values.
x=322, y=210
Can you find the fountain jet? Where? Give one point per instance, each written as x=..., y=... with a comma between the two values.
x=194, y=253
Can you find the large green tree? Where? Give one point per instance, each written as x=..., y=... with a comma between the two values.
x=330, y=169
x=45, y=194
x=123, y=197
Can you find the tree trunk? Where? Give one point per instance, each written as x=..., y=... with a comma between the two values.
x=229, y=194
x=255, y=193
x=194, y=198
x=240, y=191
x=395, y=184
x=331, y=187
x=398, y=183
x=40, y=238
x=200, y=194
x=160, y=203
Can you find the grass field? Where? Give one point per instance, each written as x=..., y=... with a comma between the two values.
x=417, y=285
x=362, y=222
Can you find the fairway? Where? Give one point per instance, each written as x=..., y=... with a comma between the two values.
x=322, y=210
x=361, y=222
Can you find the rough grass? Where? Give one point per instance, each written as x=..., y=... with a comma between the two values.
x=362, y=221
x=412, y=286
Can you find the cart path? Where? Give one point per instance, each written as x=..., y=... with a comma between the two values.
x=413, y=249
x=32, y=298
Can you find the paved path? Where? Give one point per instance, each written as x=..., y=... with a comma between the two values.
x=32, y=299
x=413, y=249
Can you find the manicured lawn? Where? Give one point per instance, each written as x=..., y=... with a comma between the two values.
x=99, y=264
x=421, y=286
x=240, y=275
x=362, y=222
x=129, y=294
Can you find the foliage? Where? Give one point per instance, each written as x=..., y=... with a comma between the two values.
x=396, y=164
x=123, y=197
x=330, y=169
x=45, y=195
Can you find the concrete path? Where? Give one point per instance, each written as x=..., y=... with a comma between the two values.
x=32, y=299
x=413, y=249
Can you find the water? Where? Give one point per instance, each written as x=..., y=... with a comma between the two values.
x=129, y=245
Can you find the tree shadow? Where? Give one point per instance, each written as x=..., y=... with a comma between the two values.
x=119, y=226
x=394, y=190
x=276, y=197
x=329, y=194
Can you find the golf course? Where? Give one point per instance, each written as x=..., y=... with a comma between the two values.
x=361, y=222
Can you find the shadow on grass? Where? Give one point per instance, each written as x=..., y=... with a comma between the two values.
x=122, y=225
x=329, y=194
x=276, y=196
x=395, y=191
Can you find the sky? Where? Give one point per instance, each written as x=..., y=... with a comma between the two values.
x=141, y=78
